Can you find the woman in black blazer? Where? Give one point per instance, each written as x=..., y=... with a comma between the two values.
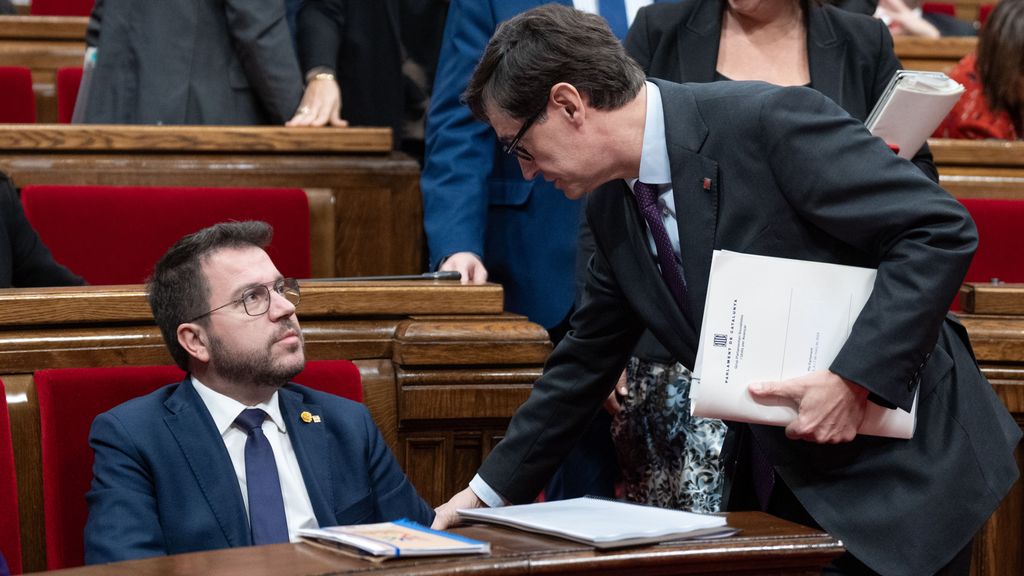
x=666, y=458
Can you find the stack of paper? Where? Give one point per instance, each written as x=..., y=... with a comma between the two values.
x=912, y=107
x=770, y=319
x=393, y=540
x=603, y=523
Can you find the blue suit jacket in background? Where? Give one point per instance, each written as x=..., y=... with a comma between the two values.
x=474, y=196
x=163, y=482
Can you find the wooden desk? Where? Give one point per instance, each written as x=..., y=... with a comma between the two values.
x=765, y=545
x=939, y=54
x=373, y=193
x=443, y=367
x=994, y=317
x=43, y=44
x=980, y=168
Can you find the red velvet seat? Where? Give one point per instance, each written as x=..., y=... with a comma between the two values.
x=10, y=532
x=114, y=235
x=69, y=400
x=68, y=81
x=17, y=101
x=939, y=8
x=1000, y=240
x=61, y=7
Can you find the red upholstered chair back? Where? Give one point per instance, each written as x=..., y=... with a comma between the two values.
x=69, y=400
x=10, y=532
x=17, y=101
x=68, y=81
x=939, y=8
x=114, y=235
x=1000, y=251
x=61, y=7
x=983, y=11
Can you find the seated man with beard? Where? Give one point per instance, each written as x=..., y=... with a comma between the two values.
x=222, y=459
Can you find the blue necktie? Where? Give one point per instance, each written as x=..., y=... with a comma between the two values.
x=266, y=506
x=671, y=271
x=614, y=11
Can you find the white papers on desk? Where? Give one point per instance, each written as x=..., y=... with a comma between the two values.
x=769, y=319
x=603, y=523
x=912, y=107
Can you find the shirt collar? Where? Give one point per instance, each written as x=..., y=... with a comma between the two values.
x=225, y=409
x=655, y=167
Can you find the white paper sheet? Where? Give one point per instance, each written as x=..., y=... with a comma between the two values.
x=768, y=319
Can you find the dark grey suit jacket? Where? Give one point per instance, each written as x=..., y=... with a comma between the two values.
x=792, y=175
x=192, y=62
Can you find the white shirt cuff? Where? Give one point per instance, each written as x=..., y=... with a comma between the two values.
x=485, y=492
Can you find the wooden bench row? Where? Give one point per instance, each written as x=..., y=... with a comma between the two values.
x=46, y=43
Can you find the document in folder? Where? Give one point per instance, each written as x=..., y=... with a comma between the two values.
x=912, y=107
x=768, y=319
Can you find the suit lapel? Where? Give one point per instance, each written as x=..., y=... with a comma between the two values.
x=825, y=55
x=309, y=440
x=698, y=43
x=193, y=428
x=695, y=186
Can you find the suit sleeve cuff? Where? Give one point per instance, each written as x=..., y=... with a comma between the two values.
x=484, y=492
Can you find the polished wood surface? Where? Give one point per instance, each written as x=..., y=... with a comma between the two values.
x=43, y=44
x=765, y=545
x=980, y=168
x=938, y=54
x=994, y=317
x=443, y=367
x=192, y=139
x=374, y=202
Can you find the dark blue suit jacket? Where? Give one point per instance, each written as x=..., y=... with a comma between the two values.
x=163, y=482
x=474, y=196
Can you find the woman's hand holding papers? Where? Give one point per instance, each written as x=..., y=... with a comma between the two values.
x=447, y=514
x=830, y=408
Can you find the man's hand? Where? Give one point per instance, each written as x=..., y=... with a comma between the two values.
x=830, y=408
x=321, y=104
x=468, y=264
x=446, y=513
x=611, y=404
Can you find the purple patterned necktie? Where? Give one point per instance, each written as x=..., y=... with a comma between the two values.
x=671, y=271
x=267, y=518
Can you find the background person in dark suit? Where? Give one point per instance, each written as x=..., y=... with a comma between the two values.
x=186, y=62
x=172, y=473
x=778, y=171
x=24, y=260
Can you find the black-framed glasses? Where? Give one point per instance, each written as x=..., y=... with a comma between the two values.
x=513, y=146
x=256, y=300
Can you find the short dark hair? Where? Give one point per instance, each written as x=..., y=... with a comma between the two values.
x=178, y=290
x=1000, y=63
x=541, y=47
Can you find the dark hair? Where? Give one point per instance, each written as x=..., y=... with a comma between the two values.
x=539, y=48
x=1000, y=63
x=178, y=290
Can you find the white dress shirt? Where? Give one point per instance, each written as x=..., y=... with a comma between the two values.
x=297, y=507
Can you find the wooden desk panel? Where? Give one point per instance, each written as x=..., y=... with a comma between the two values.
x=43, y=44
x=376, y=205
x=411, y=340
x=938, y=54
x=765, y=545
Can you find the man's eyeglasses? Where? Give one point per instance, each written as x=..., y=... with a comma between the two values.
x=513, y=146
x=256, y=300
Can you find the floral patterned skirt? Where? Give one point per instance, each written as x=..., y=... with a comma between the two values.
x=668, y=458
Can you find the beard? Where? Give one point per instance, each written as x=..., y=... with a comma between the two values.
x=255, y=365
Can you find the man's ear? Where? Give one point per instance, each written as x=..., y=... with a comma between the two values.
x=195, y=340
x=567, y=101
